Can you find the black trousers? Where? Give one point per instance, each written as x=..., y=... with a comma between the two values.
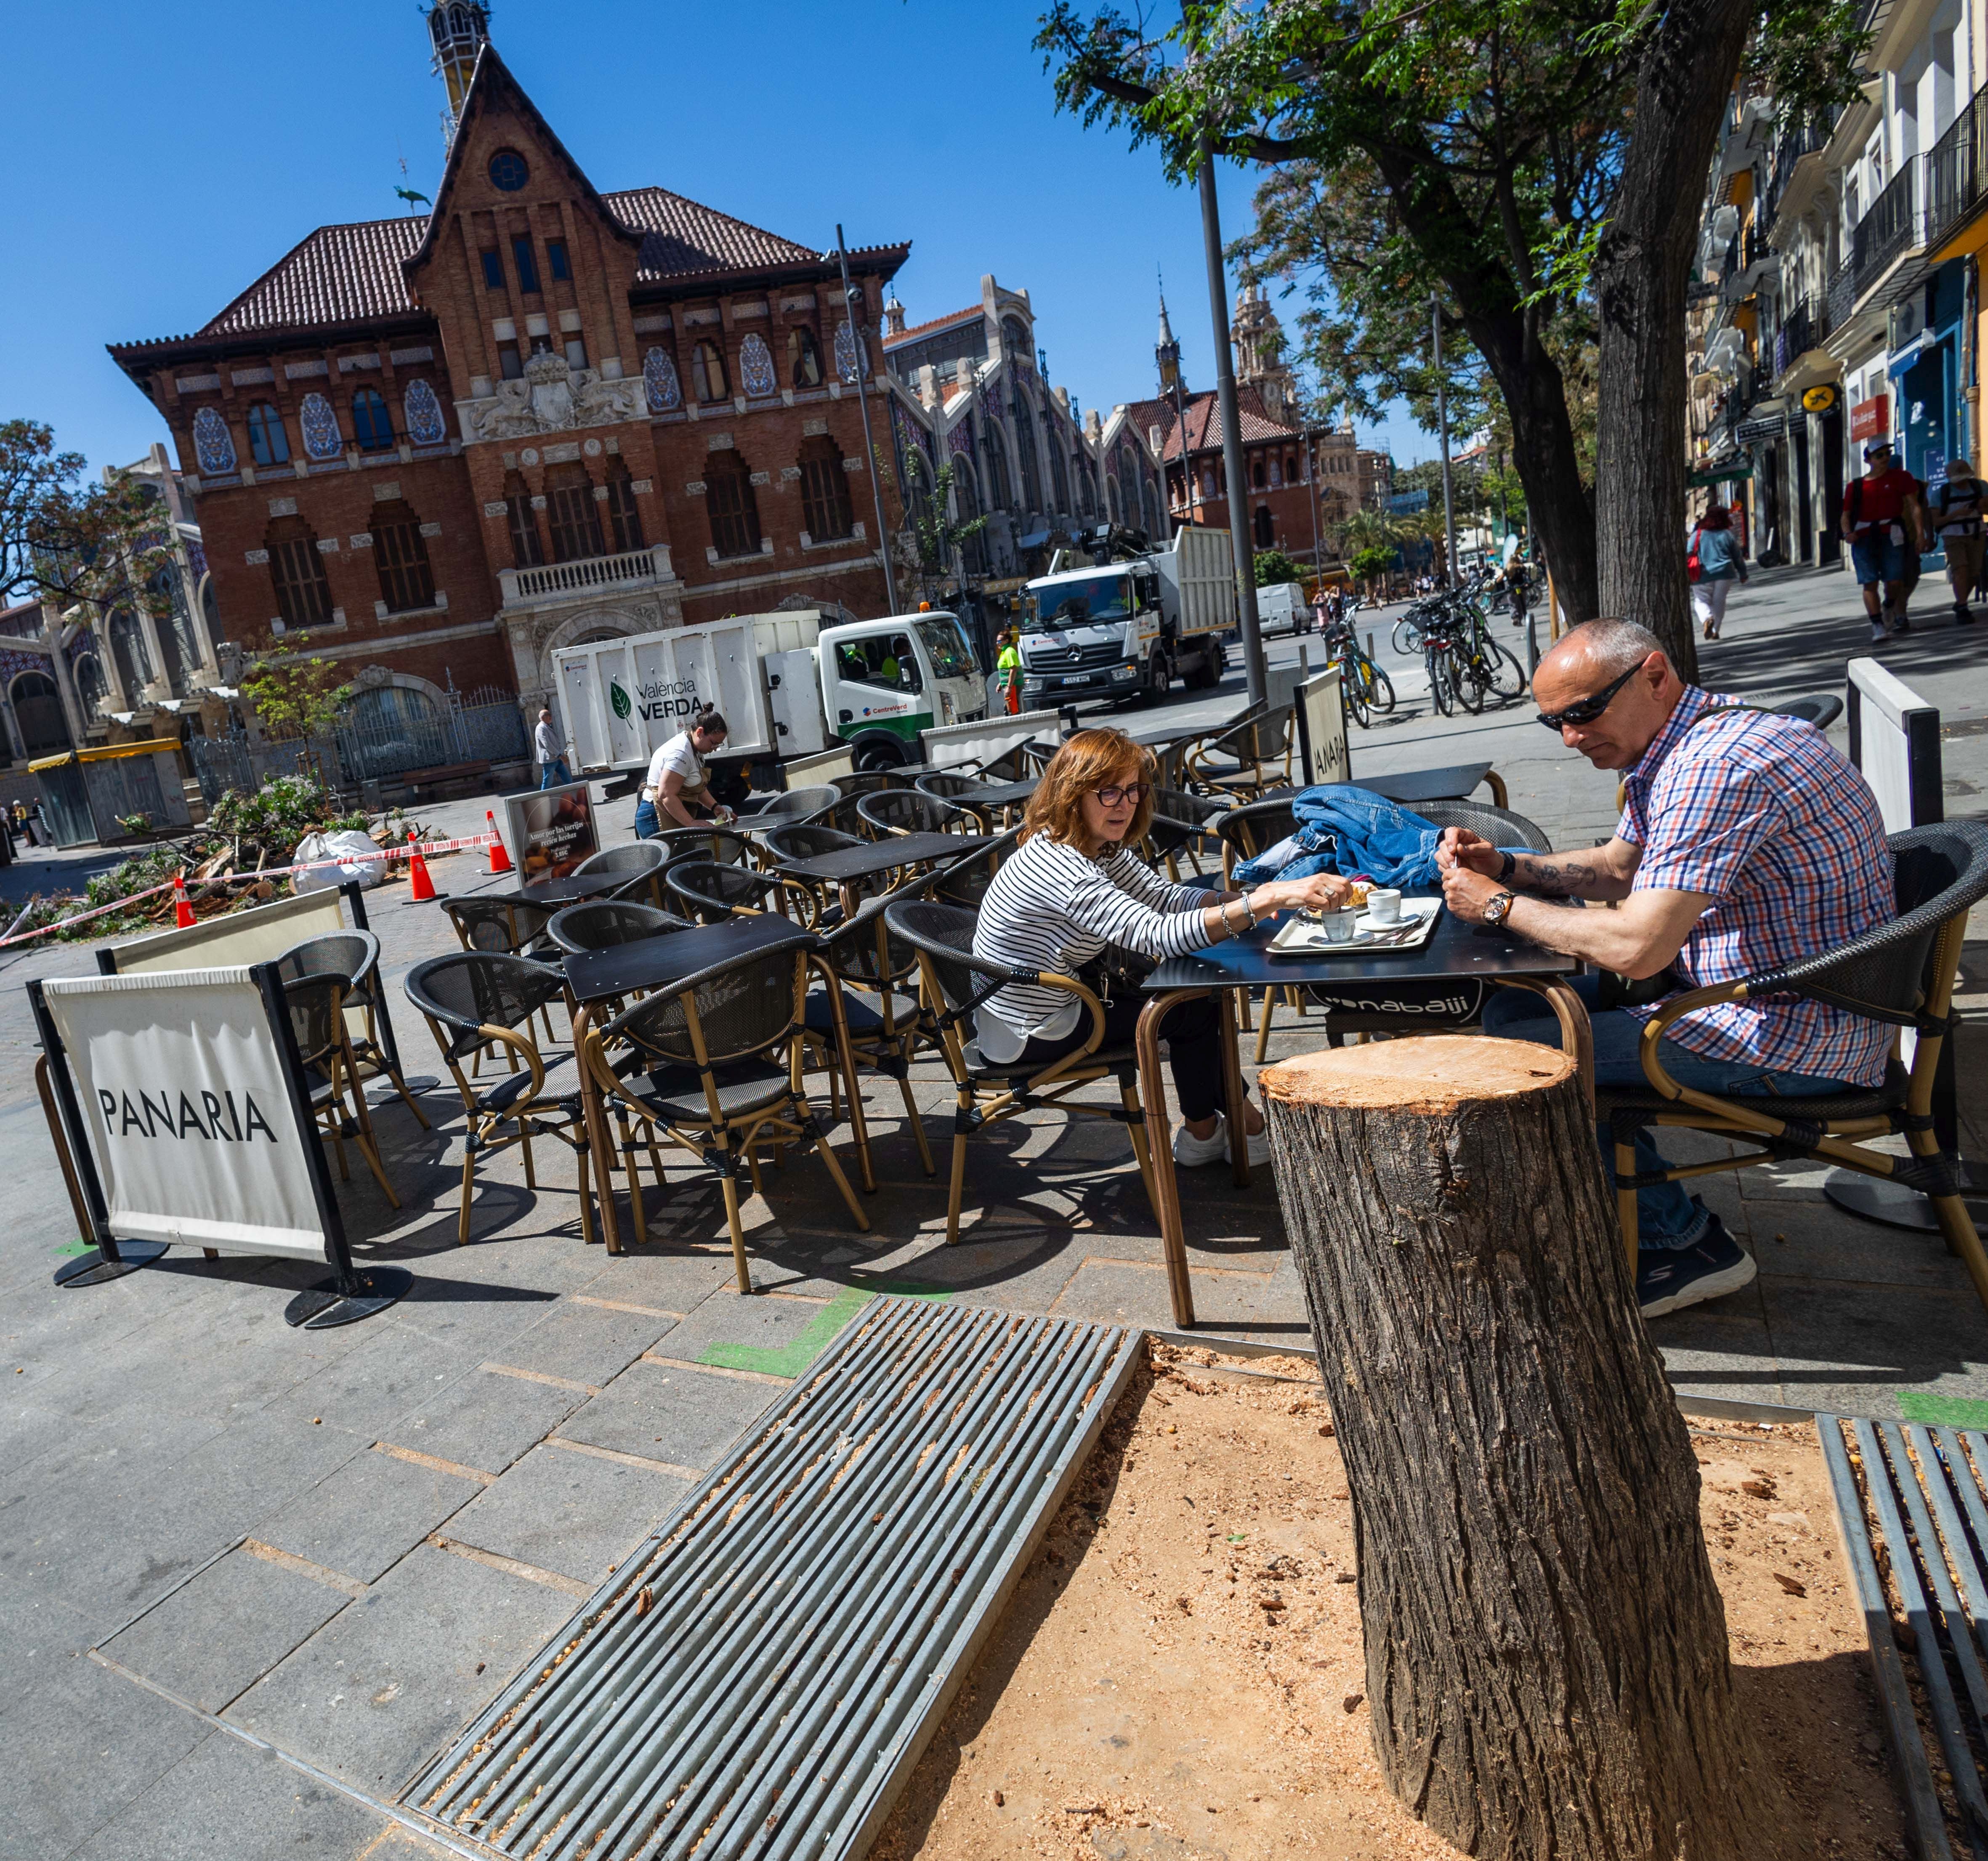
x=1193, y=1034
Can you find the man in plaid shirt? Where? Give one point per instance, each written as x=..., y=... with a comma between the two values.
x=1745, y=841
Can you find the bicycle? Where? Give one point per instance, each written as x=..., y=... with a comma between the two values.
x=1368, y=690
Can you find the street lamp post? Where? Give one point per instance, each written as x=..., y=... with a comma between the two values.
x=1442, y=430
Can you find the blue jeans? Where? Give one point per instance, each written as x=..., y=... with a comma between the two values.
x=553, y=774
x=1667, y=1216
x=646, y=825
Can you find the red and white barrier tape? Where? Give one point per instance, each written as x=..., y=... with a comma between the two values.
x=402, y=851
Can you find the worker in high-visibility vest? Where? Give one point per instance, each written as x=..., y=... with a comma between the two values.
x=1008, y=668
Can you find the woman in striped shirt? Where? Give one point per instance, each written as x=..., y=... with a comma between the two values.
x=1071, y=889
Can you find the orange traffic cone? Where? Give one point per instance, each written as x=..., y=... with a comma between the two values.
x=500, y=861
x=182, y=909
x=417, y=871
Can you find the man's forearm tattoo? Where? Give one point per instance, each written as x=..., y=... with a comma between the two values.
x=1558, y=878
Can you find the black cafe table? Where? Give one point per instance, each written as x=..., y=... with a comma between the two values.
x=574, y=889
x=1457, y=952
x=1453, y=783
x=594, y=977
x=846, y=865
x=999, y=797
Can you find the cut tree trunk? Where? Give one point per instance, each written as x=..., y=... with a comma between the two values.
x=1641, y=271
x=1545, y=1648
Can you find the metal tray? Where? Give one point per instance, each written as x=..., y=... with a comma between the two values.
x=1305, y=937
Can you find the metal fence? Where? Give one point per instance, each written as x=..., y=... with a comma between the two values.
x=371, y=743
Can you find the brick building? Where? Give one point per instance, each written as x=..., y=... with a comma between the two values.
x=538, y=415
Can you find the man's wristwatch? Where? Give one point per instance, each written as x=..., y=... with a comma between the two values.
x=1499, y=907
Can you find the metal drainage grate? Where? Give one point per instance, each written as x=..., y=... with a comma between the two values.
x=761, y=1677
x=1927, y=1489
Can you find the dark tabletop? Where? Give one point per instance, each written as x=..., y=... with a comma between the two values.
x=876, y=856
x=1458, y=951
x=568, y=891
x=1157, y=736
x=1000, y=794
x=654, y=963
x=1414, y=785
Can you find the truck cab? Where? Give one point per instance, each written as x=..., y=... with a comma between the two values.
x=1094, y=633
x=883, y=682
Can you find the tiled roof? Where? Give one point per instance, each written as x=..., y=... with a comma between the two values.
x=1204, y=421
x=973, y=311
x=681, y=239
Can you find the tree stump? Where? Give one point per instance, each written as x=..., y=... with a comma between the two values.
x=1546, y=1648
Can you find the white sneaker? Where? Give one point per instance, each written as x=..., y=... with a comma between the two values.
x=1193, y=1153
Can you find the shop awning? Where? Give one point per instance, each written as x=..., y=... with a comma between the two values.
x=1721, y=475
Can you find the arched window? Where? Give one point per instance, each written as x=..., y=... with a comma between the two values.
x=400, y=554
x=824, y=491
x=91, y=687
x=1265, y=531
x=296, y=568
x=1291, y=468
x=707, y=378
x=623, y=516
x=165, y=596
x=1056, y=473
x=1256, y=473
x=38, y=710
x=372, y=425
x=528, y=543
x=966, y=502
x=130, y=653
x=269, y=444
x=1087, y=492
x=803, y=359
x=1015, y=340
x=729, y=503
x=1025, y=447
x=997, y=453
x=575, y=512
x=1111, y=507
x=1150, y=504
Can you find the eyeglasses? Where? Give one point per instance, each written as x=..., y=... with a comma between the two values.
x=1587, y=709
x=1133, y=792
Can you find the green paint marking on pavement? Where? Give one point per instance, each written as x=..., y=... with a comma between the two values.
x=1944, y=1411
x=75, y=1246
x=790, y=1359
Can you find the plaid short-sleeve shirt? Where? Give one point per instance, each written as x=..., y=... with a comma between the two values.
x=1762, y=812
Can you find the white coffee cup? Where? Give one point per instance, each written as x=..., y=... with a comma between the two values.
x=1336, y=926
x=1384, y=905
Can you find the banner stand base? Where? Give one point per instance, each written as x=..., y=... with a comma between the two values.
x=92, y=1269
x=1893, y=1204
x=334, y=1302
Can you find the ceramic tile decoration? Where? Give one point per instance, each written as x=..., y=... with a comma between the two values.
x=212, y=444
x=425, y=426
x=659, y=376
x=756, y=366
x=322, y=439
x=845, y=351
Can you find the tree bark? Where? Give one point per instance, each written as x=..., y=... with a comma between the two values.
x=1546, y=1648
x=1641, y=273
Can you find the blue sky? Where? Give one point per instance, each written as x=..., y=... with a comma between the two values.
x=158, y=162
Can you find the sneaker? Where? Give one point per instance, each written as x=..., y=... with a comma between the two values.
x=1961, y=616
x=1192, y=1152
x=1669, y=1278
x=1879, y=633
x=1902, y=625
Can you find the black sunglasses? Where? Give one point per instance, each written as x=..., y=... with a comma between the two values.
x=1587, y=709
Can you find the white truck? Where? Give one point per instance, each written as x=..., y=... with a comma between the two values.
x=1124, y=629
x=787, y=685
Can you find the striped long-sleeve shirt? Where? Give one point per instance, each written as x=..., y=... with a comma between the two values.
x=1051, y=907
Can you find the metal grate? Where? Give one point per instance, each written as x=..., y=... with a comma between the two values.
x=761, y=1677
x=1926, y=1489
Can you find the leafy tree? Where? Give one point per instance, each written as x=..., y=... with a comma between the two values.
x=932, y=539
x=295, y=694
x=1273, y=566
x=1539, y=169
x=1373, y=563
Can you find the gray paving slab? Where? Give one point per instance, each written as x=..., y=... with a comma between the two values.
x=584, y=1343
x=663, y=1278
x=1861, y=1349
x=394, y=1367
x=1824, y=1242
x=573, y=1513
x=375, y=1691
x=1265, y=1307
x=661, y=1413
x=483, y=1420
x=228, y=1801
x=366, y=1515
x=215, y=1635
x=743, y=1333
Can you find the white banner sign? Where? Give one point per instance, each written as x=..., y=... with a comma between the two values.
x=1322, y=712
x=181, y=1088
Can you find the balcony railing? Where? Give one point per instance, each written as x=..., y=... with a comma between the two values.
x=1842, y=295
x=1957, y=170
x=1807, y=327
x=1806, y=137
x=558, y=579
x=1889, y=229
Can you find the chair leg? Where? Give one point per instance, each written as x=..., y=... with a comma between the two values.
x=634, y=1175
x=1128, y=1094
x=959, y=1189
x=730, y=1185
x=827, y=1150
x=752, y=1168
x=1263, y=1032
x=338, y=1150
x=918, y=1124
x=408, y=1098
x=524, y=1145
x=586, y=1200
x=1625, y=1202
x=468, y=1192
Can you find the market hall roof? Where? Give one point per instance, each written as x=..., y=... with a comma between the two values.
x=1204, y=421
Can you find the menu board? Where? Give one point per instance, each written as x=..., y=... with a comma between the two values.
x=550, y=831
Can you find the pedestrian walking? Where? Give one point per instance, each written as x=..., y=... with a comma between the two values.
x=1957, y=511
x=553, y=771
x=1883, y=519
x=1008, y=668
x=1714, y=563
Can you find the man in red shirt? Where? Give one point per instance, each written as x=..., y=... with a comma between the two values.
x=1884, y=518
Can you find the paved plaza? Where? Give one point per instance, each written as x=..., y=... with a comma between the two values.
x=252, y=1577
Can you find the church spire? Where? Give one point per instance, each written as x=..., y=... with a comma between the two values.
x=459, y=30
x=1166, y=351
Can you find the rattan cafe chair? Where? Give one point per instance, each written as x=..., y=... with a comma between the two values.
x=955, y=983
x=601, y=923
x=905, y=810
x=504, y=927
x=1900, y=974
x=1248, y=757
x=711, y=893
x=316, y=1004
x=869, y=782
x=721, y=845
x=353, y=957
x=481, y=999
x=791, y=804
x=643, y=861
x=712, y=1064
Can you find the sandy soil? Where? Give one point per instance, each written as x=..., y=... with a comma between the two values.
x=1180, y=1675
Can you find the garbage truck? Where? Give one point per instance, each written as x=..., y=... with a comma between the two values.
x=1133, y=621
x=788, y=685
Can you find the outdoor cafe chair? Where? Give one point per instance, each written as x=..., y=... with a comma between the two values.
x=868, y=782
x=904, y=810
x=601, y=924
x=353, y=957
x=713, y=1064
x=792, y=804
x=1251, y=829
x=642, y=860
x=1247, y=758
x=507, y=927
x=1902, y=974
x=711, y=893
x=840, y=815
x=480, y=999
x=956, y=982
x=949, y=785
x=316, y=1005
x=717, y=844
x=808, y=839
x=1182, y=828
x=964, y=882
